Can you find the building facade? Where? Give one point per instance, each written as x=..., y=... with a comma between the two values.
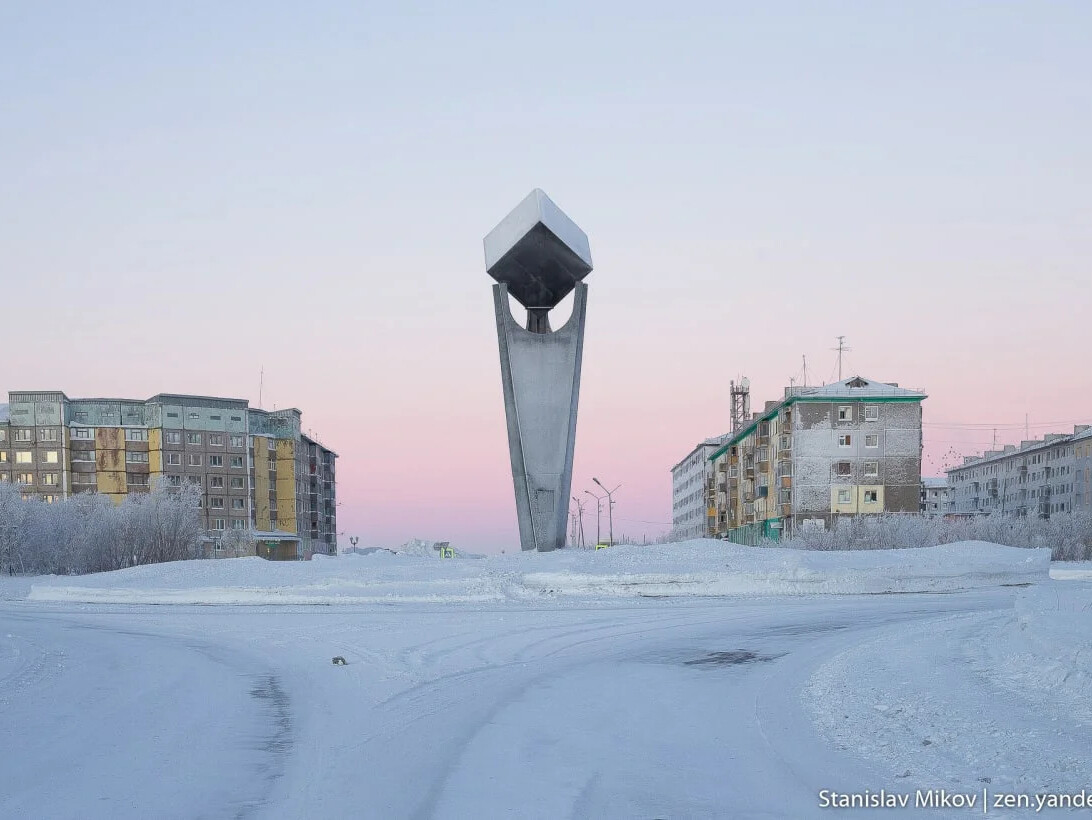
x=936, y=497
x=846, y=449
x=262, y=481
x=692, y=513
x=1040, y=477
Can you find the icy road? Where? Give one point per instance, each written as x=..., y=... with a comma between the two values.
x=647, y=708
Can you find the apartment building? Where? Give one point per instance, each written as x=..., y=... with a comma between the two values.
x=936, y=497
x=259, y=476
x=845, y=449
x=1040, y=477
x=692, y=514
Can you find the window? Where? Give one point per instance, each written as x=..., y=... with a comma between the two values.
x=236, y=418
x=216, y=503
x=237, y=483
x=844, y=497
x=136, y=479
x=194, y=416
x=845, y=441
x=843, y=468
x=23, y=435
x=871, y=412
x=237, y=441
x=26, y=478
x=218, y=524
x=49, y=480
x=872, y=441
x=872, y=468
x=271, y=444
x=238, y=524
x=172, y=415
x=47, y=435
x=4, y=478
x=52, y=457
x=216, y=439
x=871, y=497
x=216, y=481
x=238, y=503
x=845, y=413
x=24, y=457
x=174, y=480
x=216, y=461
x=83, y=455
x=173, y=437
x=81, y=432
x=174, y=459
x=193, y=438
x=132, y=457
x=196, y=459
x=214, y=418
x=136, y=435
x=194, y=479
x=3, y=435
x=236, y=461
x=273, y=465
x=49, y=499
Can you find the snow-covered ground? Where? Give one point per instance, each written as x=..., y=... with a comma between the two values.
x=694, y=568
x=628, y=683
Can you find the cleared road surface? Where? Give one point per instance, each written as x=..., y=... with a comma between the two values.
x=650, y=708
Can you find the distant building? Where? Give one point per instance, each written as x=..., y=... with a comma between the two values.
x=936, y=497
x=846, y=449
x=1040, y=477
x=259, y=475
x=691, y=492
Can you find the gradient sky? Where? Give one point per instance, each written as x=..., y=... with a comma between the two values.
x=192, y=192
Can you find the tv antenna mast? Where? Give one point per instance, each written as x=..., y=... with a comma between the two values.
x=841, y=348
x=741, y=404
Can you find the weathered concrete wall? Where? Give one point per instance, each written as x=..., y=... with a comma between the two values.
x=540, y=373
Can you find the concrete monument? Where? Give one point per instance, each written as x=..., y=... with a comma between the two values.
x=538, y=255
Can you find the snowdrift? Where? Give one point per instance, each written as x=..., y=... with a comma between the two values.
x=693, y=568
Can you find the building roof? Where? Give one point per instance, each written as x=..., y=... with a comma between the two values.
x=855, y=388
x=709, y=442
x=1080, y=433
x=934, y=483
x=4, y=415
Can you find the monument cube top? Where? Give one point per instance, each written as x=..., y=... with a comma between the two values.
x=538, y=252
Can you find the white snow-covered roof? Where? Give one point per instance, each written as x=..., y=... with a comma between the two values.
x=715, y=441
x=934, y=483
x=4, y=415
x=856, y=387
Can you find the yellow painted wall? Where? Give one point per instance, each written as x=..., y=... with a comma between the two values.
x=849, y=506
x=155, y=451
x=110, y=460
x=873, y=506
x=286, y=485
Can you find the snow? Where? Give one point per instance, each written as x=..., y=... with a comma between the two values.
x=702, y=568
x=695, y=680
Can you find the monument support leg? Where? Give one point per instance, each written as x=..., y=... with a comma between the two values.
x=540, y=372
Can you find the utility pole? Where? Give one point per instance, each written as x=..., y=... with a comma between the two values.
x=841, y=348
x=610, y=506
x=580, y=513
x=805, y=358
x=598, y=511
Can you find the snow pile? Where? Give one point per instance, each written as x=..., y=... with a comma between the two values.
x=694, y=568
x=1046, y=653
x=712, y=568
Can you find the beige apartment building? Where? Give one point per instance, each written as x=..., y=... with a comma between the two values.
x=262, y=481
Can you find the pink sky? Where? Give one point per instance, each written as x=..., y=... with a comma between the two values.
x=189, y=200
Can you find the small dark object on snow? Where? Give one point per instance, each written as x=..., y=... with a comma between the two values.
x=339, y=661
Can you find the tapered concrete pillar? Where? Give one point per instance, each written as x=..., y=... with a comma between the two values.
x=538, y=255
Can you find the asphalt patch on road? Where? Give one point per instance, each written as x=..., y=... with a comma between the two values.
x=733, y=657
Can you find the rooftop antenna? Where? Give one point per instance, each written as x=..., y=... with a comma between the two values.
x=261, y=384
x=741, y=403
x=805, y=358
x=841, y=348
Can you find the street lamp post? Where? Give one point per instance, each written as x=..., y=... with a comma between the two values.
x=610, y=506
x=598, y=510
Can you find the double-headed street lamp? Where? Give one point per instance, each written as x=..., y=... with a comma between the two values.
x=598, y=510
x=610, y=506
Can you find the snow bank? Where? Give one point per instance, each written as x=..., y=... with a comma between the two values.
x=693, y=568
